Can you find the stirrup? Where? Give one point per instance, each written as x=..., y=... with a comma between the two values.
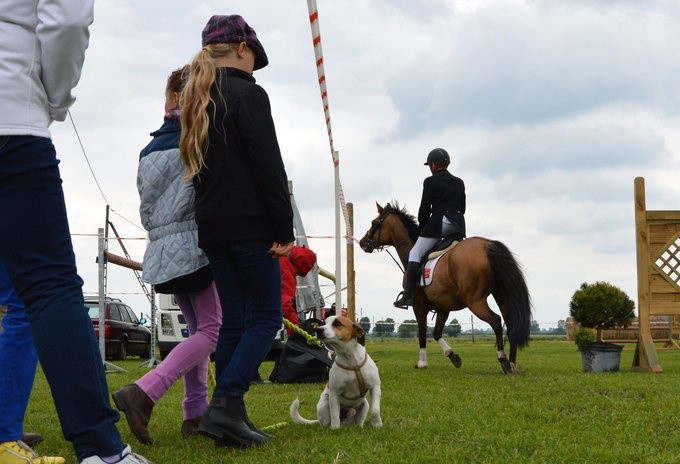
x=402, y=301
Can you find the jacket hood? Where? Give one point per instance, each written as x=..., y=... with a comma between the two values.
x=303, y=260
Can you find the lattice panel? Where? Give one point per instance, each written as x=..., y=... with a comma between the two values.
x=668, y=261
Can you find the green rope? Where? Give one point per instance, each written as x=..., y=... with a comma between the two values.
x=311, y=340
x=273, y=427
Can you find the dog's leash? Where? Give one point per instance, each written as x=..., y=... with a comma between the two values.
x=360, y=378
x=311, y=340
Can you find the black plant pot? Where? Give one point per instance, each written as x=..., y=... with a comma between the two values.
x=600, y=357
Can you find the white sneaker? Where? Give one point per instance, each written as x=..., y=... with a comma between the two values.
x=128, y=457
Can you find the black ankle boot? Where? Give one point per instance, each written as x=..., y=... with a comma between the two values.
x=407, y=297
x=250, y=425
x=225, y=422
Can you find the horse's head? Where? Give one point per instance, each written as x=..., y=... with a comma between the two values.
x=386, y=229
x=371, y=240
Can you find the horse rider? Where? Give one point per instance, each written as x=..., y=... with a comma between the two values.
x=441, y=213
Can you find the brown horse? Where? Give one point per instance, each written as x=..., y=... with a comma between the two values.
x=464, y=277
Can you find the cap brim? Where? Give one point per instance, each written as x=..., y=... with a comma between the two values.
x=260, y=63
x=260, y=56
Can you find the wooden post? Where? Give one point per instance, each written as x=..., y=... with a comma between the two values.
x=121, y=261
x=351, y=296
x=645, y=358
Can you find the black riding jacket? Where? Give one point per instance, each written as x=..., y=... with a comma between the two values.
x=443, y=195
x=242, y=192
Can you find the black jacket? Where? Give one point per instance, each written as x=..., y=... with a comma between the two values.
x=242, y=192
x=443, y=195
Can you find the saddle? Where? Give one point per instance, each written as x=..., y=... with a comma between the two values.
x=431, y=258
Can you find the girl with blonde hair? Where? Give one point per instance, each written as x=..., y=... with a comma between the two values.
x=243, y=211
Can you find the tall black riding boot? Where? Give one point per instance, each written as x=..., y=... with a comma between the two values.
x=225, y=422
x=407, y=297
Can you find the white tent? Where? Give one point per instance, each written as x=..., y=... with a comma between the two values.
x=308, y=299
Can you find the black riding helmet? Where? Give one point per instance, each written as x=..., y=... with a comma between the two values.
x=438, y=155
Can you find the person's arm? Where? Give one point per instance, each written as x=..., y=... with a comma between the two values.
x=425, y=209
x=464, y=199
x=258, y=134
x=62, y=31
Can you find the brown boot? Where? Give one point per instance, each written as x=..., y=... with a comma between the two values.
x=32, y=439
x=190, y=427
x=137, y=407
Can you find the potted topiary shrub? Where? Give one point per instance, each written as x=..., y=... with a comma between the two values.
x=600, y=306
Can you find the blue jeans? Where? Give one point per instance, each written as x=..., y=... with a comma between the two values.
x=36, y=249
x=18, y=361
x=248, y=282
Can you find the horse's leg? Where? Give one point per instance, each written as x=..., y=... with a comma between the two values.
x=511, y=367
x=421, y=318
x=513, y=354
x=481, y=310
x=437, y=334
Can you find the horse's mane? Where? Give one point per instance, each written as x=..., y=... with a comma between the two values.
x=406, y=218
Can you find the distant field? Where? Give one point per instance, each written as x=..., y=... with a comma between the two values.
x=550, y=413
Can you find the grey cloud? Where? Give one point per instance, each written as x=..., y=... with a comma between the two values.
x=569, y=146
x=521, y=65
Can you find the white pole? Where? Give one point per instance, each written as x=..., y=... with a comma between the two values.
x=102, y=296
x=338, y=236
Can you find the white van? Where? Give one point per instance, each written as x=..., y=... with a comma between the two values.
x=171, y=326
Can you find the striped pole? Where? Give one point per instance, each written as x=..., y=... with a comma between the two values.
x=321, y=74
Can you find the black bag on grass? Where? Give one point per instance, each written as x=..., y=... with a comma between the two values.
x=300, y=362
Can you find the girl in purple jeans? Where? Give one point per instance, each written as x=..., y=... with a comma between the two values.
x=175, y=265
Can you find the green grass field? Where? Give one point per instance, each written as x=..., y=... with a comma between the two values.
x=551, y=413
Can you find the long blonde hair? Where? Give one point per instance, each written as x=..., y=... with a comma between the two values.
x=194, y=102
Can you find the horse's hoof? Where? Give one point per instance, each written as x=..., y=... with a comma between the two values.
x=419, y=366
x=507, y=366
x=455, y=359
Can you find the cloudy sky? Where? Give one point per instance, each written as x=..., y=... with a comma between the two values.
x=549, y=109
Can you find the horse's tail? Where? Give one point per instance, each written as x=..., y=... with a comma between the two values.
x=510, y=289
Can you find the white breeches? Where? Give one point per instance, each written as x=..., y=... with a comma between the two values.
x=425, y=244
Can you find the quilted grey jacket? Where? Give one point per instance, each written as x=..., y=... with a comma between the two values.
x=167, y=209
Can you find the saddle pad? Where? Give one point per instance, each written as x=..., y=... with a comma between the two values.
x=428, y=271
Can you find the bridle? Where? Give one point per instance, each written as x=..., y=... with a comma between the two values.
x=375, y=227
x=371, y=246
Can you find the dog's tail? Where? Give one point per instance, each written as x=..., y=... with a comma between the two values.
x=295, y=414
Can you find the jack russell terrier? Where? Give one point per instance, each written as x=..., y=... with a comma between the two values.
x=352, y=376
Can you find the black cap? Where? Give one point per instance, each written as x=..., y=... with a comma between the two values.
x=438, y=155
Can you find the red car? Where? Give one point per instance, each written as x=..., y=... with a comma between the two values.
x=124, y=333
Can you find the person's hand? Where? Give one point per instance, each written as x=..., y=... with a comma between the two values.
x=281, y=249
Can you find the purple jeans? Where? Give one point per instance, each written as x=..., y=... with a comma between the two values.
x=190, y=358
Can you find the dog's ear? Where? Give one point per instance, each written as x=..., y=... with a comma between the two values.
x=360, y=333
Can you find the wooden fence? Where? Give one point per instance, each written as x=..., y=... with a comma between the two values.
x=658, y=274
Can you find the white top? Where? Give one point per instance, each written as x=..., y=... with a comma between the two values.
x=42, y=48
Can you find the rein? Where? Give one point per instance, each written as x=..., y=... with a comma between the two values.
x=357, y=372
x=395, y=261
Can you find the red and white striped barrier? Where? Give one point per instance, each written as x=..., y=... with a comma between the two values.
x=318, y=52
